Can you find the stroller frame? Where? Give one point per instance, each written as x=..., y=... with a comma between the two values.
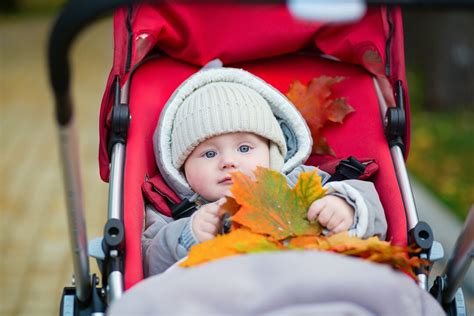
x=87, y=297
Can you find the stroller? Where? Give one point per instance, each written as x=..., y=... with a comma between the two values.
x=158, y=46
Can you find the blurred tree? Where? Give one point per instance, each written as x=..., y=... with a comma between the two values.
x=8, y=6
x=30, y=7
x=439, y=47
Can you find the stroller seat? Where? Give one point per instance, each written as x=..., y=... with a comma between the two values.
x=171, y=42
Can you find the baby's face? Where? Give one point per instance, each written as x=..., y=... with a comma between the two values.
x=209, y=166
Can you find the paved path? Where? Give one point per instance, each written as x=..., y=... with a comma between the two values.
x=35, y=261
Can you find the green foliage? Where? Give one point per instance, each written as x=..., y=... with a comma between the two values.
x=442, y=154
x=20, y=8
x=415, y=89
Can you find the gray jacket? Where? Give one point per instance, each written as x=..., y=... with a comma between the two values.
x=165, y=241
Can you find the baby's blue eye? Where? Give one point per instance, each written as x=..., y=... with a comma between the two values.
x=244, y=148
x=210, y=154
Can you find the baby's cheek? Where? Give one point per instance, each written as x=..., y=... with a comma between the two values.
x=207, y=188
x=200, y=185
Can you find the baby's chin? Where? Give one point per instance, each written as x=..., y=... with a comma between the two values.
x=212, y=197
x=221, y=193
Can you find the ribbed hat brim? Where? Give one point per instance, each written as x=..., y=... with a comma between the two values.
x=219, y=108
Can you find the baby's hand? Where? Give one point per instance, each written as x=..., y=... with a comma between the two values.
x=332, y=212
x=207, y=223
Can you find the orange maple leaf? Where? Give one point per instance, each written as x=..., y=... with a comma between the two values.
x=308, y=243
x=270, y=207
x=317, y=107
x=236, y=242
x=269, y=216
x=372, y=249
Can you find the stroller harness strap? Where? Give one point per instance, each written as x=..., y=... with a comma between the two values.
x=352, y=168
x=158, y=193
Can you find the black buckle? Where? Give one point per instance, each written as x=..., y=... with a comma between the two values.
x=183, y=209
x=349, y=168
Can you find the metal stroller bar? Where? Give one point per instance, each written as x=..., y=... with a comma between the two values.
x=115, y=188
x=114, y=229
x=394, y=124
x=446, y=287
x=73, y=18
x=460, y=259
x=114, y=225
x=423, y=235
x=405, y=187
x=75, y=215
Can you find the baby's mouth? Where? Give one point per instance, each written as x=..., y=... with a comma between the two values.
x=226, y=180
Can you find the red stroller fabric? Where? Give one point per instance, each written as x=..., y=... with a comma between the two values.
x=265, y=40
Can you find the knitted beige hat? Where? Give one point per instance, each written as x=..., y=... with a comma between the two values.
x=224, y=107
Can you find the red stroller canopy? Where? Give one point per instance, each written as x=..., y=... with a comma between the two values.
x=199, y=33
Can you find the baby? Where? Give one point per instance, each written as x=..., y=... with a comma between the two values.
x=225, y=120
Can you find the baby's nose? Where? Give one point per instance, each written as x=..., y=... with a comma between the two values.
x=229, y=163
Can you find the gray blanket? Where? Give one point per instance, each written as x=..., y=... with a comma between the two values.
x=277, y=284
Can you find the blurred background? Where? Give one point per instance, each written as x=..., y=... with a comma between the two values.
x=439, y=48
x=35, y=259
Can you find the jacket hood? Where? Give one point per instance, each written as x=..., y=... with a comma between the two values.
x=293, y=125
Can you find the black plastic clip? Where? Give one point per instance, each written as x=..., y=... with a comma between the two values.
x=120, y=120
x=395, y=119
x=422, y=236
x=349, y=168
x=113, y=245
x=183, y=209
x=114, y=235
